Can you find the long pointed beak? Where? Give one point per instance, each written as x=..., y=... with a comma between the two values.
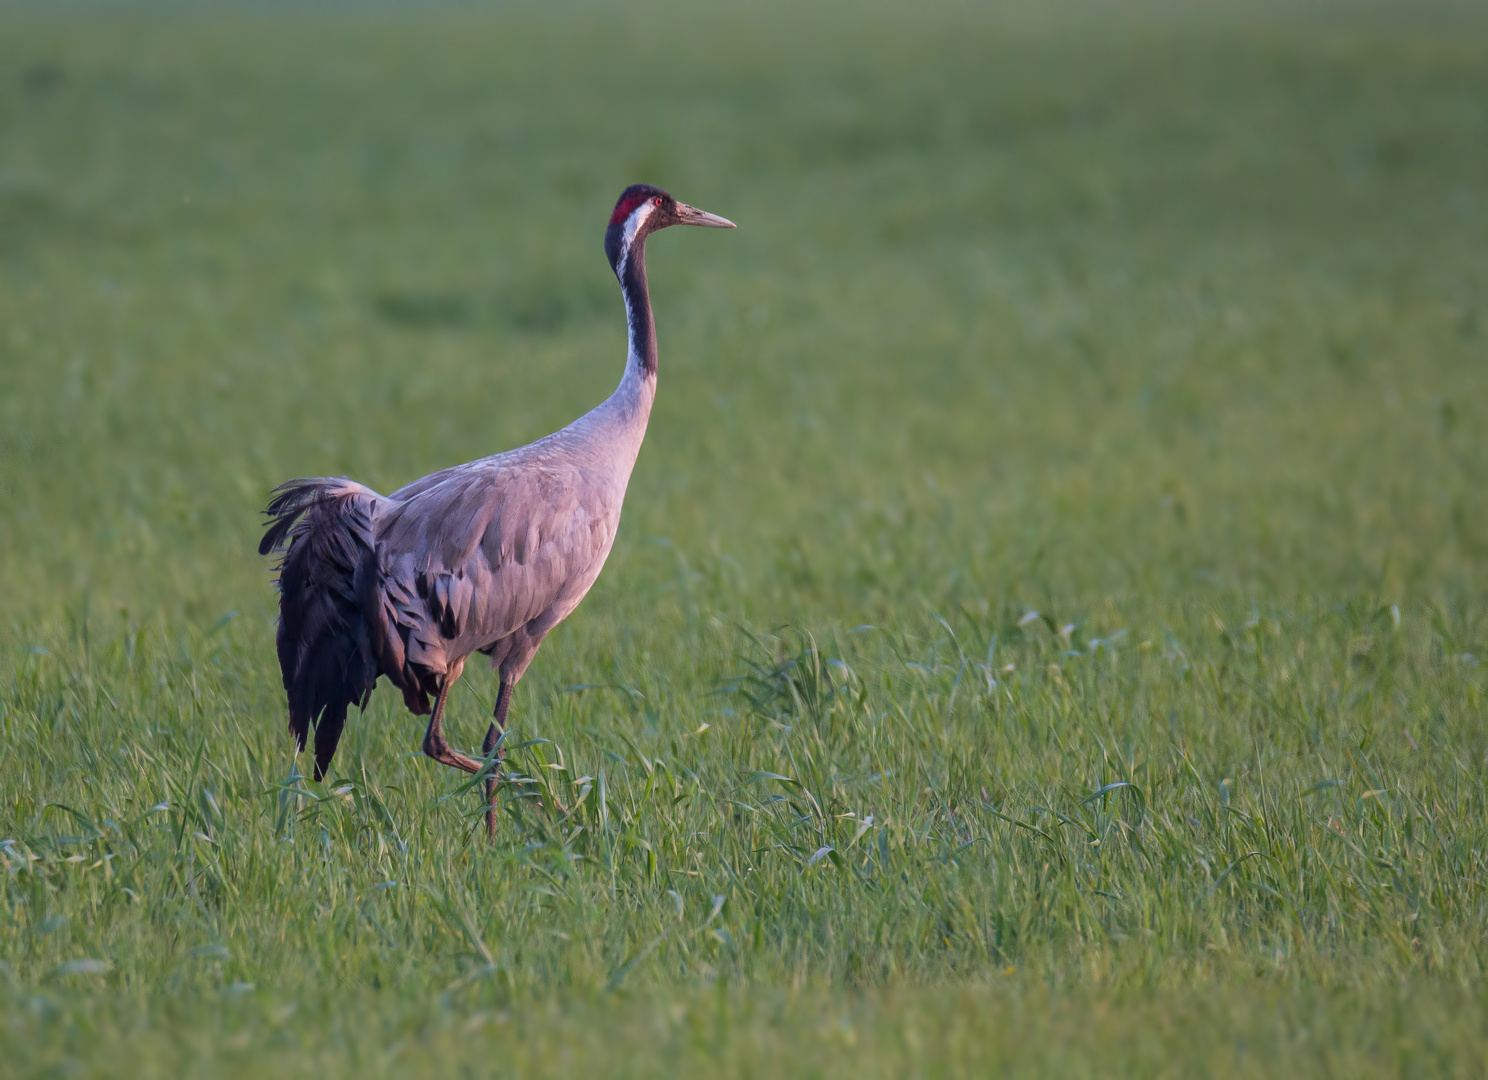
x=691, y=215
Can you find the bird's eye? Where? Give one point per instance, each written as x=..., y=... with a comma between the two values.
x=657, y=200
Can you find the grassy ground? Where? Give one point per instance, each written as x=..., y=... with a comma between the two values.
x=1046, y=633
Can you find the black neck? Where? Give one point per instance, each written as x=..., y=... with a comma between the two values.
x=638, y=315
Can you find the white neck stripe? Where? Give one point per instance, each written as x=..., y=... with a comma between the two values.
x=628, y=233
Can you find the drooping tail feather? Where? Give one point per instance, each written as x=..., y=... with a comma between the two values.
x=325, y=652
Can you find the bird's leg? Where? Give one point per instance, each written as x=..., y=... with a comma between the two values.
x=491, y=778
x=434, y=744
x=493, y=735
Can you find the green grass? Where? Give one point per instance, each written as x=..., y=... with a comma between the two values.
x=1168, y=326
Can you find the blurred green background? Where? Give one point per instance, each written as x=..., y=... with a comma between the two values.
x=1152, y=292
x=1159, y=319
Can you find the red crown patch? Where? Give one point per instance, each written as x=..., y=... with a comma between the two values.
x=627, y=204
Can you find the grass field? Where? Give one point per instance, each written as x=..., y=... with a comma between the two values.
x=1047, y=634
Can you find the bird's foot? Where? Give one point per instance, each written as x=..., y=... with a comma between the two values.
x=436, y=748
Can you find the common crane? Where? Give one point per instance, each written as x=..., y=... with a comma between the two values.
x=485, y=557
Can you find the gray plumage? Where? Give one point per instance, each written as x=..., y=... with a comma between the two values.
x=484, y=557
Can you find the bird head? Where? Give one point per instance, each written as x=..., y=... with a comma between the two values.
x=641, y=210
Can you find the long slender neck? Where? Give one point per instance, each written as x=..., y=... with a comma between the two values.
x=638, y=317
x=624, y=413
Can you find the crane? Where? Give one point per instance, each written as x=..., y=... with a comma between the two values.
x=485, y=557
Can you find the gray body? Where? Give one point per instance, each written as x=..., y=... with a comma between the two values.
x=485, y=557
x=509, y=544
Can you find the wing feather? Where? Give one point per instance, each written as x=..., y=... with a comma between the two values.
x=489, y=548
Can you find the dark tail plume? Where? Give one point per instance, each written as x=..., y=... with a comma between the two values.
x=325, y=651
